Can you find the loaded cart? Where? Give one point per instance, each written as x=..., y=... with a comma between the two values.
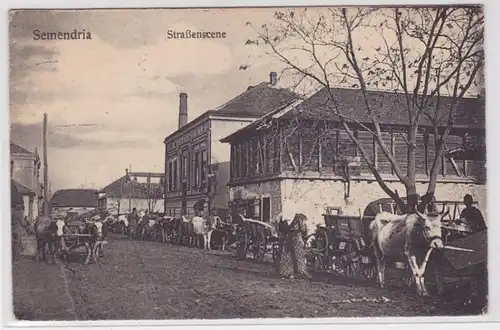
x=339, y=247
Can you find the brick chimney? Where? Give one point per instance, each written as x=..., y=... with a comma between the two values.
x=183, y=111
x=273, y=78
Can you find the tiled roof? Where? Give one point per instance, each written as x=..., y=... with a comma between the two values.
x=133, y=189
x=17, y=149
x=75, y=198
x=389, y=107
x=257, y=100
x=22, y=189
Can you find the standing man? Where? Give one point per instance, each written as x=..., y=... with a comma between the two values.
x=472, y=216
x=19, y=224
x=133, y=218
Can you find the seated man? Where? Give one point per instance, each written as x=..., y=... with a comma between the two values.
x=472, y=216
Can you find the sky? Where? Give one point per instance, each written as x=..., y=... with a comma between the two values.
x=112, y=100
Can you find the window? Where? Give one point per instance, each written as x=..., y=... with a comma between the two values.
x=175, y=175
x=196, y=169
x=185, y=166
x=244, y=160
x=170, y=176
x=204, y=166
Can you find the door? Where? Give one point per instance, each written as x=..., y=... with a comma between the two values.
x=266, y=209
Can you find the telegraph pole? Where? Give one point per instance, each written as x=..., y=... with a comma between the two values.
x=45, y=168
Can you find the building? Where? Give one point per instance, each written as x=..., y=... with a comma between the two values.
x=75, y=201
x=196, y=162
x=25, y=171
x=140, y=190
x=298, y=158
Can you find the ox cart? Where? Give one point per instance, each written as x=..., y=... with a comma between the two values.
x=339, y=247
x=343, y=246
x=257, y=238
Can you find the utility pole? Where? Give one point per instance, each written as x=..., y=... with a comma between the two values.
x=45, y=168
x=130, y=190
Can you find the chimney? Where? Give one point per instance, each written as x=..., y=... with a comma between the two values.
x=183, y=111
x=273, y=78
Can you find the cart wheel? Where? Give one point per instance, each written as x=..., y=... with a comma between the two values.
x=260, y=249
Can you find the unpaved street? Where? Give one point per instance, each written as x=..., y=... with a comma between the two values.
x=148, y=280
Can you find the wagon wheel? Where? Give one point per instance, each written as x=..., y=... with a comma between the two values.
x=353, y=263
x=260, y=248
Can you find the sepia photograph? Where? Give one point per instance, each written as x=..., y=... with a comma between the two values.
x=248, y=163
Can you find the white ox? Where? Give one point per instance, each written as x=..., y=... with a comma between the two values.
x=203, y=227
x=410, y=235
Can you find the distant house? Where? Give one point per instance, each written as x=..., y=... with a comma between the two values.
x=75, y=201
x=140, y=190
x=299, y=158
x=25, y=172
x=196, y=162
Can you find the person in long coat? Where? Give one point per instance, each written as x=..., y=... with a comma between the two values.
x=291, y=258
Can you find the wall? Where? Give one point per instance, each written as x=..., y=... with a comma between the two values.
x=258, y=190
x=139, y=204
x=221, y=153
x=24, y=172
x=312, y=197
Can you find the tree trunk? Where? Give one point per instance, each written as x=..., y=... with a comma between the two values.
x=410, y=185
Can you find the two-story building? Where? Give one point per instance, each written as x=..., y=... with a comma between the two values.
x=197, y=162
x=25, y=172
x=298, y=158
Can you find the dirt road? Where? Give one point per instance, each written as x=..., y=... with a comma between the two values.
x=148, y=280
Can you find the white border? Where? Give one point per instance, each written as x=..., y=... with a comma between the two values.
x=491, y=10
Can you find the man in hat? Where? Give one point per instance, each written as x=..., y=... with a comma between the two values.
x=472, y=216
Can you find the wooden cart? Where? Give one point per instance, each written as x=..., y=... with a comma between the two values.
x=339, y=247
x=257, y=238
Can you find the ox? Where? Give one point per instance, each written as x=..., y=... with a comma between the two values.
x=94, y=242
x=205, y=228
x=48, y=232
x=413, y=236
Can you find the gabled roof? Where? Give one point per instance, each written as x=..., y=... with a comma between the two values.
x=23, y=190
x=122, y=188
x=255, y=102
x=17, y=149
x=75, y=198
x=389, y=107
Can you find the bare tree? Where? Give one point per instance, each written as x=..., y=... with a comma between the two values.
x=423, y=53
x=152, y=193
